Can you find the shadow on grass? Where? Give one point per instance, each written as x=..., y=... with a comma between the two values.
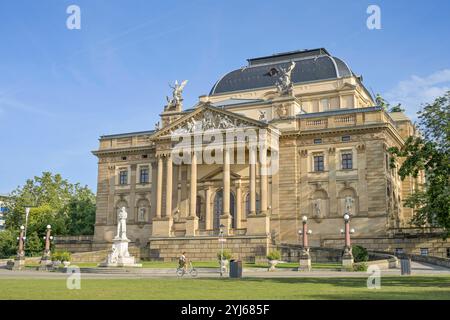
x=407, y=281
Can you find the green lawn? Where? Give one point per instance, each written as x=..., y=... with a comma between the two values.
x=212, y=264
x=415, y=287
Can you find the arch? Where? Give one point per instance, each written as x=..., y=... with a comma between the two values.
x=199, y=207
x=247, y=203
x=218, y=208
x=345, y=193
x=319, y=204
x=143, y=210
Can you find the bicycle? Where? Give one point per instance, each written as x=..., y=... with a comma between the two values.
x=181, y=271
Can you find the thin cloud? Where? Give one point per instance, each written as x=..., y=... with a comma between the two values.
x=416, y=90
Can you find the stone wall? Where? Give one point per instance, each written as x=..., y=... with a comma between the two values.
x=99, y=256
x=206, y=248
x=443, y=262
x=437, y=247
x=73, y=243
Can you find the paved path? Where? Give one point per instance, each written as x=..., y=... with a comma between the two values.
x=417, y=268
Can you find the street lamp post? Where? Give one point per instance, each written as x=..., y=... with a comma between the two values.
x=19, y=261
x=347, y=257
x=46, y=257
x=222, y=240
x=305, y=257
x=27, y=213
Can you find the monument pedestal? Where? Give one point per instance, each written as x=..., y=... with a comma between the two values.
x=226, y=221
x=258, y=224
x=17, y=264
x=119, y=256
x=305, y=261
x=162, y=227
x=46, y=263
x=191, y=226
x=347, y=258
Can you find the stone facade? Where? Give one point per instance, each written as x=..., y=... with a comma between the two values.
x=331, y=144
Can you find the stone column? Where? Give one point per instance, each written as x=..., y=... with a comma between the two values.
x=159, y=187
x=225, y=218
x=238, y=205
x=252, y=160
x=162, y=226
x=263, y=181
x=257, y=224
x=193, y=186
x=192, y=220
x=169, y=186
x=226, y=182
x=208, y=212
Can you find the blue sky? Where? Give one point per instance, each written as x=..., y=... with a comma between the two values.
x=61, y=89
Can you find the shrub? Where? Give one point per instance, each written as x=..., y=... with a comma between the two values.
x=8, y=244
x=361, y=266
x=226, y=255
x=61, y=256
x=360, y=254
x=274, y=255
x=33, y=245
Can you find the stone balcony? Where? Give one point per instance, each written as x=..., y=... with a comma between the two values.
x=343, y=118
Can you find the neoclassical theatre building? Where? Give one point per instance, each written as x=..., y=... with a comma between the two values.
x=319, y=123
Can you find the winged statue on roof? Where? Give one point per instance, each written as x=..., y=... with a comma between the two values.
x=176, y=100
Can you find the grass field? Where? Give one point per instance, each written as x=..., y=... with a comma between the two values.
x=414, y=287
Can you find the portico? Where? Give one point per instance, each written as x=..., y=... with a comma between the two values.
x=222, y=189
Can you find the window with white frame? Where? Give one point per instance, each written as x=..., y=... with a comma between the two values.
x=144, y=176
x=123, y=176
x=347, y=160
x=319, y=162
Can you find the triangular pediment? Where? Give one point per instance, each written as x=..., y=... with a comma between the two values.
x=217, y=174
x=207, y=118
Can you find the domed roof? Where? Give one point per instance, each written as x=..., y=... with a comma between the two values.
x=310, y=65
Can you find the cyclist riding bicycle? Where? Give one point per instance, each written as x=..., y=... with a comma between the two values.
x=182, y=261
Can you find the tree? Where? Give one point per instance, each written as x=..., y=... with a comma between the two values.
x=8, y=243
x=68, y=208
x=380, y=101
x=429, y=153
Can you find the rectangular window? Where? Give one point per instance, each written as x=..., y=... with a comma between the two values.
x=143, y=176
x=123, y=177
x=347, y=161
x=345, y=138
x=319, y=163
x=325, y=104
x=448, y=252
x=317, y=141
x=423, y=251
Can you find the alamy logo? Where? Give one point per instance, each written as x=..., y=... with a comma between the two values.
x=74, y=278
x=74, y=20
x=374, y=20
x=374, y=280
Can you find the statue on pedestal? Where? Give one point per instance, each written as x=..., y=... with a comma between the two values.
x=175, y=102
x=348, y=204
x=122, y=224
x=119, y=255
x=284, y=83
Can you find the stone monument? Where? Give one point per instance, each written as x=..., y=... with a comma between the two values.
x=119, y=255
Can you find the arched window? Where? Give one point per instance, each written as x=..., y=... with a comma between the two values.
x=143, y=209
x=218, y=208
x=198, y=208
x=247, y=204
